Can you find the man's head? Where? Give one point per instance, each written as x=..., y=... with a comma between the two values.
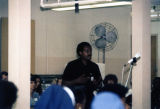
x=110, y=79
x=84, y=50
x=4, y=76
x=8, y=94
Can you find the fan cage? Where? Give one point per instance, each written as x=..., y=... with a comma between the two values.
x=109, y=28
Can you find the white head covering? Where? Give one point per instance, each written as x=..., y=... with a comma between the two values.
x=70, y=93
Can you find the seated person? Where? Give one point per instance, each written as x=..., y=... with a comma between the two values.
x=38, y=86
x=4, y=76
x=117, y=89
x=34, y=96
x=82, y=72
x=8, y=94
x=110, y=79
x=107, y=100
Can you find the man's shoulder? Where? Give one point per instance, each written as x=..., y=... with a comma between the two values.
x=73, y=62
x=93, y=63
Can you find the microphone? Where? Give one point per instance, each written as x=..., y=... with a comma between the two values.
x=134, y=59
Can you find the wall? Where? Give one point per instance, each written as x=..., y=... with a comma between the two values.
x=155, y=25
x=58, y=33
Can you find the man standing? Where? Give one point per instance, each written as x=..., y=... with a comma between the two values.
x=82, y=72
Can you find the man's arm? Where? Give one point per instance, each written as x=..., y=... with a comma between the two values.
x=80, y=80
x=97, y=82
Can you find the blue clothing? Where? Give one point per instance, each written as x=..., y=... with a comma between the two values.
x=107, y=100
x=34, y=98
x=55, y=97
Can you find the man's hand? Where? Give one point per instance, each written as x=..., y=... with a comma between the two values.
x=82, y=79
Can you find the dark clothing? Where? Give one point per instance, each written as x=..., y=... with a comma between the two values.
x=76, y=68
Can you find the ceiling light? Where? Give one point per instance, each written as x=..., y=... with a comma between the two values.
x=100, y=5
x=154, y=15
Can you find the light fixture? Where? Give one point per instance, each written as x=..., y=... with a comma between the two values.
x=154, y=15
x=85, y=4
x=93, y=6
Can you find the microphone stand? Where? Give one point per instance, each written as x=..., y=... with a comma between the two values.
x=130, y=72
x=123, y=73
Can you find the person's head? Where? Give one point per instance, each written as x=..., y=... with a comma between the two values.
x=117, y=89
x=37, y=80
x=8, y=94
x=33, y=83
x=110, y=79
x=37, y=83
x=54, y=97
x=4, y=75
x=107, y=100
x=84, y=50
x=59, y=81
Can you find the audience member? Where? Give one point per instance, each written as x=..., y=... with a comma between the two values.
x=155, y=94
x=8, y=94
x=117, y=89
x=82, y=72
x=110, y=79
x=107, y=100
x=34, y=96
x=59, y=81
x=54, y=97
x=4, y=76
x=38, y=85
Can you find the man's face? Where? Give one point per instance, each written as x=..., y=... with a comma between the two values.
x=86, y=53
x=110, y=82
x=4, y=77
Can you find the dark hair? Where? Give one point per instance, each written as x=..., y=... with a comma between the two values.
x=8, y=94
x=33, y=78
x=115, y=88
x=110, y=77
x=37, y=76
x=3, y=73
x=81, y=46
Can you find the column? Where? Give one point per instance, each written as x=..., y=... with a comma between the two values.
x=141, y=43
x=19, y=49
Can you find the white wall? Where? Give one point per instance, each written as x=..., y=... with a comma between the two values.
x=58, y=33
